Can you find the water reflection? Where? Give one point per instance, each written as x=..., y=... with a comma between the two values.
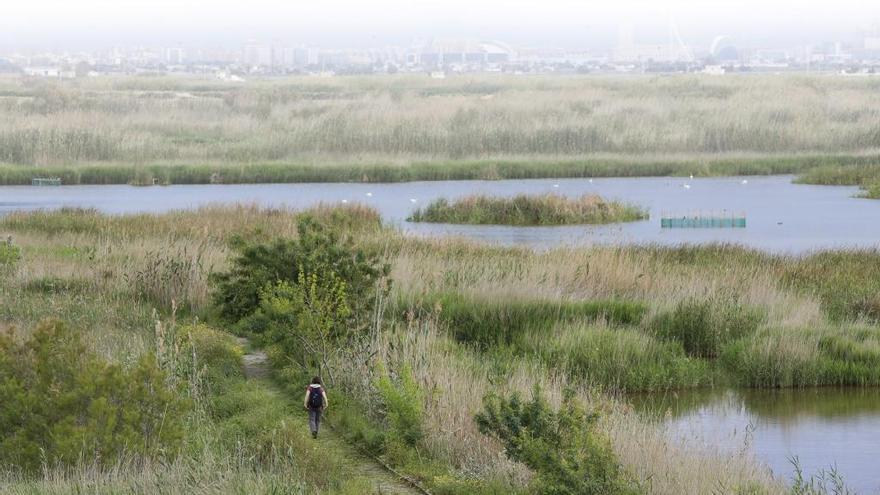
x=823, y=427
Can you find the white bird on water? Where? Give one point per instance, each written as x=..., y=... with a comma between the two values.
x=555, y=185
x=345, y=201
x=687, y=186
x=692, y=176
x=412, y=200
x=369, y=195
x=745, y=181
x=591, y=181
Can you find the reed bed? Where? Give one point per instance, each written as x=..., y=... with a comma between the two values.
x=547, y=209
x=492, y=318
x=135, y=130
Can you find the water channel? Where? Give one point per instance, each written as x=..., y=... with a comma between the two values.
x=782, y=217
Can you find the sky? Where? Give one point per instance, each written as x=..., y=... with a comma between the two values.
x=90, y=24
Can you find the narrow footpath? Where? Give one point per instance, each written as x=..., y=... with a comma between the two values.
x=383, y=481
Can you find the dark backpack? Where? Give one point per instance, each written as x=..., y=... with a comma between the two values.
x=316, y=398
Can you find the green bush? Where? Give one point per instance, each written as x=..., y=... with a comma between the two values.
x=404, y=405
x=563, y=447
x=62, y=403
x=703, y=327
x=318, y=250
x=307, y=321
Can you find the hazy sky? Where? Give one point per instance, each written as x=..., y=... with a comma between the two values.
x=102, y=23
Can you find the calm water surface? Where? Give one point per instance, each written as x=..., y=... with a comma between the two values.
x=782, y=217
x=823, y=427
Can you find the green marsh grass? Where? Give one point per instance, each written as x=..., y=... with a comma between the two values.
x=489, y=323
x=547, y=209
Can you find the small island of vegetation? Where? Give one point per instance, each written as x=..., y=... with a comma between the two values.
x=545, y=209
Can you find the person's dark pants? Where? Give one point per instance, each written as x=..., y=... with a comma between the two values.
x=314, y=420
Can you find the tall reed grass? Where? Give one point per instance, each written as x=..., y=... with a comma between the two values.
x=547, y=209
x=409, y=127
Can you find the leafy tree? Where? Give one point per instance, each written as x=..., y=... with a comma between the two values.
x=310, y=319
x=317, y=251
x=562, y=447
x=62, y=403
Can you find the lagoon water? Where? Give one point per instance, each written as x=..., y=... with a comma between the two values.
x=823, y=427
x=782, y=217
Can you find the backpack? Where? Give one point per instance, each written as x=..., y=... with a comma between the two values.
x=316, y=398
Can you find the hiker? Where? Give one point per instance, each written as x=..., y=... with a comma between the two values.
x=315, y=401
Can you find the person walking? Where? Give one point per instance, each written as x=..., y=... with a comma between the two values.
x=315, y=401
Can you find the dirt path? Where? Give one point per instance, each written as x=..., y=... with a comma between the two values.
x=256, y=367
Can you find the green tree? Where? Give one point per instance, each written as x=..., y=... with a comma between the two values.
x=318, y=250
x=310, y=319
x=563, y=448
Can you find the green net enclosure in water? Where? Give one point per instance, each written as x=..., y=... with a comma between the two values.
x=701, y=221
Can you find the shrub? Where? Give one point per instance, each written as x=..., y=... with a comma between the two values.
x=562, y=447
x=404, y=406
x=318, y=250
x=62, y=403
x=704, y=327
x=309, y=320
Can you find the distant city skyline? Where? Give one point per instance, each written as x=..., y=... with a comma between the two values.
x=225, y=24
